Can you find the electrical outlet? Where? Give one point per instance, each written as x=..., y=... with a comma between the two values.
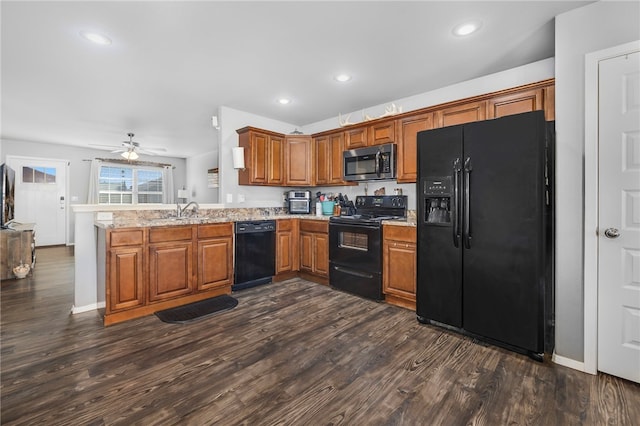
x=229, y=198
x=104, y=216
x=241, y=198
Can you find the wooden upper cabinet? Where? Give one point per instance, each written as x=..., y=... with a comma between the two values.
x=355, y=138
x=275, y=160
x=323, y=160
x=460, y=114
x=299, y=160
x=550, y=102
x=329, y=158
x=516, y=103
x=407, y=130
x=263, y=157
x=258, y=157
x=379, y=133
x=336, y=149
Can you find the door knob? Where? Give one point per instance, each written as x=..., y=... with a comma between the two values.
x=611, y=233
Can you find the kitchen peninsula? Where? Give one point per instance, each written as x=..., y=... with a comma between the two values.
x=115, y=242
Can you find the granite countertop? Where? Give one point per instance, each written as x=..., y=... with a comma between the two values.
x=172, y=221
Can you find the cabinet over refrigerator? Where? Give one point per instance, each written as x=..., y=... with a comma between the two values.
x=484, y=230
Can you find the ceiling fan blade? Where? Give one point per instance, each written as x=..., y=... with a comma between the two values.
x=97, y=145
x=144, y=151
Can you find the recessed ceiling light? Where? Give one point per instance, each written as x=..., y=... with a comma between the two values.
x=342, y=77
x=96, y=38
x=284, y=101
x=467, y=28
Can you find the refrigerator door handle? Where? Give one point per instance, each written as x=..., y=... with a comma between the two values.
x=456, y=202
x=467, y=198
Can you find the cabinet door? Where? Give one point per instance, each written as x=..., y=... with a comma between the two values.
x=355, y=138
x=399, y=269
x=516, y=103
x=336, y=148
x=408, y=129
x=323, y=158
x=170, y=270
x=460, y=114
x=306, y=251
x=259, y=157
x=380, y=133
x=275, y=175
x=284, y=252
x=321, y=254
x=125, y=287
x=215, y=263
x=299, y=156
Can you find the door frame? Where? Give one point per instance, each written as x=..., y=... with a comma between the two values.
x=67, y=164
x=591, y=200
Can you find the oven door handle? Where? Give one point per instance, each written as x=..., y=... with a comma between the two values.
x=352, y=272
x=354, y=225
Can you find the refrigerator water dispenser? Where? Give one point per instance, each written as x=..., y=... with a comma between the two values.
x=437, y=200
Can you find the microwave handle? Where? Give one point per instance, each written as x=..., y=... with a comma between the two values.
x=378, y=168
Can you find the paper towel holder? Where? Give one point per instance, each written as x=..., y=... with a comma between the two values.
x=238, y=157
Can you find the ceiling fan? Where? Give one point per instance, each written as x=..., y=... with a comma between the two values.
x=130, y=149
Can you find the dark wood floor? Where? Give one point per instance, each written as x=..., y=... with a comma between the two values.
x=290, y=353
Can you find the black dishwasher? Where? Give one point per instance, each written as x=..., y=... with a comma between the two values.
x=255, y=248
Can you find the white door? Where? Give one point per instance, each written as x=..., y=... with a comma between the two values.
x=41, y=197
x=619, y=217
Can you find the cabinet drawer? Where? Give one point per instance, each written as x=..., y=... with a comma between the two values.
x=128, y=237
x=400, y=233
x=314, y=226
x=215, y=230
x=173, y=233
x=284, y=225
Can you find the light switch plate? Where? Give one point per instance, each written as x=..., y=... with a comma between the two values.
x=229, y=198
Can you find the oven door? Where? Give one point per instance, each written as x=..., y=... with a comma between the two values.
x=357, y=246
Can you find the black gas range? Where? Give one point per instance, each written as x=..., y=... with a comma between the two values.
x=355, y=244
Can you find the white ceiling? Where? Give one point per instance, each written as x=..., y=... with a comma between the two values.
x=172, y=64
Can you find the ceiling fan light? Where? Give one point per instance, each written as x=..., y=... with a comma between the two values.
x=130, y=155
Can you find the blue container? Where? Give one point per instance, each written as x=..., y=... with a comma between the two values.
x=327, y=208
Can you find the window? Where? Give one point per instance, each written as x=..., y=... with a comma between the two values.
x=38, y=174
x=129, y=185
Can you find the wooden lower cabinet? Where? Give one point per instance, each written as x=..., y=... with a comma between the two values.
x=399, y=265
x=215, y=256
x=287, y=259
x=151, y=269
x=314, y=248
x=126, y=279
x=170, y=270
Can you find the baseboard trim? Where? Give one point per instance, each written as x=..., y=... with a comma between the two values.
x=568, y=362
x=87, y=308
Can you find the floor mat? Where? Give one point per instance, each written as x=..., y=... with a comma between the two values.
x=197, y=310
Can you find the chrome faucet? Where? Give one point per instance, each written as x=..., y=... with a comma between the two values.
x=180, y=211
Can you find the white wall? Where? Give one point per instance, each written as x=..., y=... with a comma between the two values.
x=197, y=185
x=580, y=31
x=78, y=168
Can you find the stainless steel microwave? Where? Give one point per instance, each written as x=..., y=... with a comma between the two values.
x=370, y=163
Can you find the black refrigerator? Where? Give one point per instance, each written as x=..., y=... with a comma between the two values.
x=484, y=230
